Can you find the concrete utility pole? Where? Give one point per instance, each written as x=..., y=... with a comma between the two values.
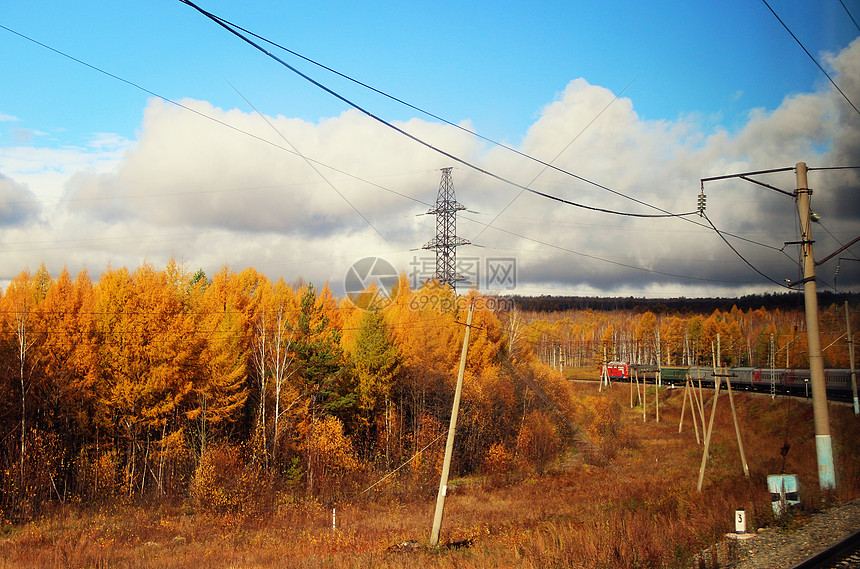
x=449, y=445
x=823, y=447
x=851, y=358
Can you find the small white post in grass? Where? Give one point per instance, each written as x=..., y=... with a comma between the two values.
x=334, y=519
x=740, y=521
x=740, y=533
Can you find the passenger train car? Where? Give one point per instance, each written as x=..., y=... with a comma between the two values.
x=779, y=380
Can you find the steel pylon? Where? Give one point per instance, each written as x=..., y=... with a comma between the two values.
x=446, y=241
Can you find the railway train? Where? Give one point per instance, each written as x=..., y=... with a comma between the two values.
x=778, y=380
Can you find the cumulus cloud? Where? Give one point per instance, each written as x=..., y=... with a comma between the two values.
x=302, y=199
x=18, y=205
x=273, y=174
x=661, y=163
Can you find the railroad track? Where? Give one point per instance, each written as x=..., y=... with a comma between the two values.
x=843, y=555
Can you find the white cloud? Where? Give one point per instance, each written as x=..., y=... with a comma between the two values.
x=210, y=195
x=18, y=205
x=46, y=171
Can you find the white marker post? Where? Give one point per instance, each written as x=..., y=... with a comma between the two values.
x=740, y=521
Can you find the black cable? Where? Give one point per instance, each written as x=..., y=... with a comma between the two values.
x=229, y=25
x=687, y=219
x=233, y=30
x=311, y=164
x=625, y=265
x=604, y=260
x=741, y=256
x=425, y=112
x=841, y=244
x=849, y=15
x=746, y=177
x=563, y=150
x=432, y=115
x=592, y=208
x=269, y=142
x=815, y=61
x=205, y=116
x=739, y=237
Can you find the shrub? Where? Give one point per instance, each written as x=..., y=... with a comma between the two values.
x=332, y=467
x=426, y=464
x=501, y=466
x=97, y=474
x=225, y=483
x=602, y=416
x=538, y=441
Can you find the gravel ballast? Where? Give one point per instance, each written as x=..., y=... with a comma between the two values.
x=778, y=547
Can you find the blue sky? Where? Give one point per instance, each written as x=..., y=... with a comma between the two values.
x=495, y=67
x=694, y=73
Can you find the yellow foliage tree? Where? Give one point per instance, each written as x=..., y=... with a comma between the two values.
x=148, y=354
x=220, y=389
x=332, y=467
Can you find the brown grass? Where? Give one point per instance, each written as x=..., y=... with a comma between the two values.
x=579, y=515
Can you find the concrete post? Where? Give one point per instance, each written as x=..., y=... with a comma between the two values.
x=823, y=447
x=449, y=445
x=851, y=358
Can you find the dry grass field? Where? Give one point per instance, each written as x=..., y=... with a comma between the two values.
x=643, y=511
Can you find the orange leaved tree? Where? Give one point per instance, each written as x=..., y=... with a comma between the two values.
x=149, y=356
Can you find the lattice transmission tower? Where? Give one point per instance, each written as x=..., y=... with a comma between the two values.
x=446, y=241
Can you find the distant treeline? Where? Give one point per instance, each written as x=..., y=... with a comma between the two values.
x=783, y=301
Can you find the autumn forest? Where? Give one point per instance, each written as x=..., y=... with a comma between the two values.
x=236, y=392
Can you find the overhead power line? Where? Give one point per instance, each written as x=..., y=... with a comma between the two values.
x=208, y=117
x=849, y=15
x=424, y=111
x=742, y=258
x=235, y=30
x=232, y=28
x=312, y=165
x=227, y=25
x=794, y=195
x=332, y=168
x=815, y=61
x=609, y=261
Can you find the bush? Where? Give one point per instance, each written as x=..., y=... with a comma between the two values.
x=97, y=474
x=332, y=467
x=426, y=464
x=538, y=442
x=24, y=494
x=602, y=416
x=501, y=466
x=224, y=483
